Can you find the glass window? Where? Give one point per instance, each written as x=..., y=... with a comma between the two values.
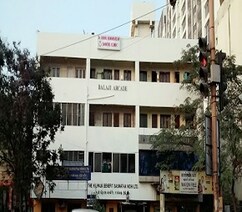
x=55, y=72
x=98, y=162
x=127, y=75
x=107, y=163
x=64, y=112
x=116, y=120
x=112, y=162
x=73, y=158
x=164, y=76
x=73, y=114
x=143, y=120
x=165, y=121
x=90, y=160
x=124, y=163
x=92, y=119
x=107, y=74
x=154, y=121
x=116, y=74
x=143, y=76
x=127, y=119
x=80, y=73
x=107, y=119
x=93, y=73
x=116, y=162
x=131, y=163
x=177, y=77
x=177, y=121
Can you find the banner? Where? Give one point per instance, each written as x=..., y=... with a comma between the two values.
x=185, y=182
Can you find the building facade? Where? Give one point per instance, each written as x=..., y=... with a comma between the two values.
x=187, y=19
x=114, y=94
x=228, y=31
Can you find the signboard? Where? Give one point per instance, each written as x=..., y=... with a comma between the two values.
x=185, y=182
x=69, y=173
x=108, y=42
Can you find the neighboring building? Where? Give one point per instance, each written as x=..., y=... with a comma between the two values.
x=114, y=94
x=188, y=19
x=143, y=20
x=228, y=30
x=228, y=35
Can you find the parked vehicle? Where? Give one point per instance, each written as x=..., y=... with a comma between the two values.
x=84, y=210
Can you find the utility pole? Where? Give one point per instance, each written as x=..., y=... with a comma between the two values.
x=213, y=111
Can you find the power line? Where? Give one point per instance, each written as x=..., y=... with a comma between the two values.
x=83, y=40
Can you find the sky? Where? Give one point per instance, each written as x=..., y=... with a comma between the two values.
x=21, y=19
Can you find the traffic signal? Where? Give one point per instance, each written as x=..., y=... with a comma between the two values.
x=172, y=3
x=203, y=69
x=223, y=100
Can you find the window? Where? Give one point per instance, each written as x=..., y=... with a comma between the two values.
x=143, y=120
x=127, y=119
x=116, y=120
x=165, y=121
x=80, y=73
x=73, y=114
x=116, y=164
x=127, y=75
x=106, y=162
x=98, y=162
x=93, y=73
x=92, y=119
x=55, y=72
x=116, y=74
x=164, y=76
x=107, y=74
x=112, y=162
x=187, y=77
x=177, y=77
x=189, y=119
x=107, y=119
x=73, y=158
x=143, y=76
x=177, y=121
x=154, y=76
x=154, y=121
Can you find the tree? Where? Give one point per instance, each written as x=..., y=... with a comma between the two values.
x=230, y=124
x=28, y=120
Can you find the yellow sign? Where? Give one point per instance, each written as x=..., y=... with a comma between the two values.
x=185, y=182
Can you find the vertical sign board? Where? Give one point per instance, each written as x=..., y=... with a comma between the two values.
x=208, y=145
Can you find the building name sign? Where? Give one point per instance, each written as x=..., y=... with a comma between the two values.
x=114, y=87
x=111, y=188
x=108, y=42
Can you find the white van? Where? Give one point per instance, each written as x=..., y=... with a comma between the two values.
x=84, y=210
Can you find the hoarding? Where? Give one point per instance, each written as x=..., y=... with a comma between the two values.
x=185, y=182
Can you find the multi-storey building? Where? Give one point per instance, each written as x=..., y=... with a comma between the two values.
x=188, y=19
x=114, y=94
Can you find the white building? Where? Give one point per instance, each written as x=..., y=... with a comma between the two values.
x=114, y=93
x=228, y=30
x=188, y=19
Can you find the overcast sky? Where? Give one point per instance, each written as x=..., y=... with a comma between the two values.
x=20, y=19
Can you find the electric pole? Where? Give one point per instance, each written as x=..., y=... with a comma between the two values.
x=213, y=111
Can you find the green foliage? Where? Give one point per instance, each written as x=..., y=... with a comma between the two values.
x=230, y=123
x=28, y=119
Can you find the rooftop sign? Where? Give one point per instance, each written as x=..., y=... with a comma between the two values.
x=108, y=42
